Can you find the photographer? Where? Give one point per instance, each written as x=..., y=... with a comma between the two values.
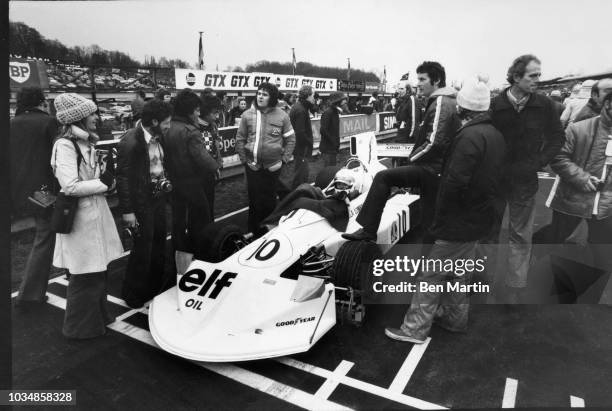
x=31, y=140
x=190, y=166
x=143, y=189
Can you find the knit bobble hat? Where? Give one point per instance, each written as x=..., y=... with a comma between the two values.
x=70, y=108
x=336, y=97
x=475, y=95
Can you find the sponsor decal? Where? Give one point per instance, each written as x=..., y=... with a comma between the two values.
x=190, y=79
x=298, y=320
x=197, y=279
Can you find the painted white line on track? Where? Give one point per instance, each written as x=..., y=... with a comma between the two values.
x=263, y=384
x=233, y=213
x=510, y=393
x=576, y=402
x=363, y=386
x=330, y=384
x=407, y=369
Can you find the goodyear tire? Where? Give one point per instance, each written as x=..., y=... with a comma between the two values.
x=352, y=265
x=217, y=242
x=326, y=175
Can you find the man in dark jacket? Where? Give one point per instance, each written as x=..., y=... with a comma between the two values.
x=143, y=199
x=300, y=121
x=31, y=140
x=190, y=167
x=592, y=109
x=439, y=126
x=466, y=210
x=330, y=128
x=408, y=114
x=534, y=134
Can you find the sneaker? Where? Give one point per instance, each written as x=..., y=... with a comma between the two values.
x=399, y=335
x=360, y=235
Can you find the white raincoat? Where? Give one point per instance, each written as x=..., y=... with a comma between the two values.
x=93, y=241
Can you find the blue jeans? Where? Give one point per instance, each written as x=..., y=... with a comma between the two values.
x=449, y=308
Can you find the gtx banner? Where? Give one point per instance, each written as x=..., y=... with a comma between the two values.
x=230, y=81
x=27, y=73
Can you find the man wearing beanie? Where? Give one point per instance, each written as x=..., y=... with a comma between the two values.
x=534, y=135
x=466, y=210
x=330, y=128
x=425, y=163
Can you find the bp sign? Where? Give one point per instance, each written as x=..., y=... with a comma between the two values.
x=27, y=73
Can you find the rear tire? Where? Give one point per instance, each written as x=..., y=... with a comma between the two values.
x=352, y=265
x=217, y=242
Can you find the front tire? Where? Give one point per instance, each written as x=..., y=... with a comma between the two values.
x=218, y=241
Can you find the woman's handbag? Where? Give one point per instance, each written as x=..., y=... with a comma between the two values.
x=63, y=213
x=65, y=206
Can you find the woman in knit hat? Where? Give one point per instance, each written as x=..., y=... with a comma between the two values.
x=93, y=241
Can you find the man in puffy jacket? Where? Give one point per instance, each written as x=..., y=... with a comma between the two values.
x=584, y=189
x=191, y=170
x=330, y=128
x=534, y=135
x=264, y=142
x=466, y=210
x=439, y=125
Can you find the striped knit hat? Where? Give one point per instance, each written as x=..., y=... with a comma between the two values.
x=70, y=108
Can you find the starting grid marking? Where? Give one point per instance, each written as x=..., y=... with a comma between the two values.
x=318, y=401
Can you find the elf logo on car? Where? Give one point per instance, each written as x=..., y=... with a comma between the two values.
x=191, y=79
x=297, y=321
x=191, y=280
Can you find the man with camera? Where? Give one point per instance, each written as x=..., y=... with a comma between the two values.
x=143, y=190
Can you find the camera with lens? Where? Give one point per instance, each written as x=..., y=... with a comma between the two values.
x=161, y=186
x=132, y=232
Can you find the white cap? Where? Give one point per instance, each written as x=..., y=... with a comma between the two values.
x=475, y=94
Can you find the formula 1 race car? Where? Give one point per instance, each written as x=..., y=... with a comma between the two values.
x=280, y=293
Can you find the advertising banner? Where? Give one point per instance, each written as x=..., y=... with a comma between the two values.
x=386, y=120
x=351, y=86
x=228, y=81
x=371, y=86
x=27, y=73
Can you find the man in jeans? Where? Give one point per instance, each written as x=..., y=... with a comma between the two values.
x=466, y=209
x=534, y=134
x=439, y=126
x=31, y=137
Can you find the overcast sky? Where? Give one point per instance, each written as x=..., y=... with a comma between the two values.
x=466, y=36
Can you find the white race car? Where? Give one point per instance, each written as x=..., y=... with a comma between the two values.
x=280, y=293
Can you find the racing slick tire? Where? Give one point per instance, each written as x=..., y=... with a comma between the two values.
x=218, y=241
x=325, y=176
x=352, y=265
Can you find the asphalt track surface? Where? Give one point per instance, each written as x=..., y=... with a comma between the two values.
x=512, y=356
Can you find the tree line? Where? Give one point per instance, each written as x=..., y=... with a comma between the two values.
x=26, y=41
